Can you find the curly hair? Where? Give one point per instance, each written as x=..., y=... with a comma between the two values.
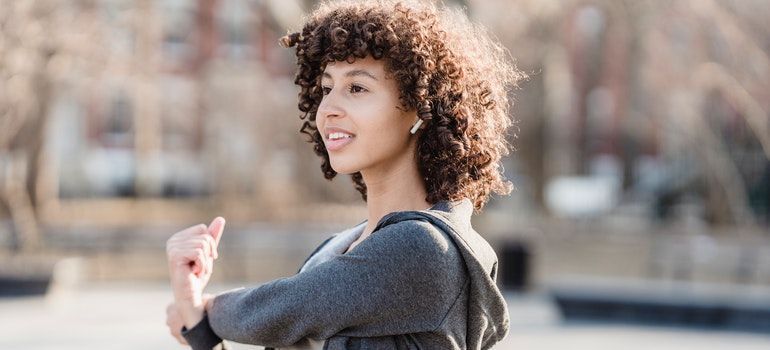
x=449, y=70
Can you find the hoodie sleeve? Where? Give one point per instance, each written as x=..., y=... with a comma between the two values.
x=202, y=337
x=402, y=279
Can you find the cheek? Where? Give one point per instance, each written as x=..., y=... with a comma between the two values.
x=385, y=138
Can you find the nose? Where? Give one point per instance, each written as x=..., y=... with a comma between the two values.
x=330, y=107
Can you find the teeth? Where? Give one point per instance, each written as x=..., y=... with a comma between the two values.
x=338, y=135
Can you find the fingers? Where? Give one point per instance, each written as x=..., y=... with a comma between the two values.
x=181, y=340
x=199, y=266
x=192, y=231
x=190, y=247
x=194, y=249
x=215, y=229
x=197, y=233
x=174, y=323
x=193, y=258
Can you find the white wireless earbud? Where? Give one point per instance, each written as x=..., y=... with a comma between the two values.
x=415, y=126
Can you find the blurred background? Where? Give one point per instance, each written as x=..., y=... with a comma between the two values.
x=641, y=215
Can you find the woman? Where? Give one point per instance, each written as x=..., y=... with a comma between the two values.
x=411, y=100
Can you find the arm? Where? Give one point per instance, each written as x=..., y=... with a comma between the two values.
x=400, y=280
x=201, y=336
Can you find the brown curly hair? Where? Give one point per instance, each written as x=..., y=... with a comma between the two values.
x=448, y=69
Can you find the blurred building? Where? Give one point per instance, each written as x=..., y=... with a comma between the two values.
x=642, y=139
x=119, y=109
x=182, y=85
x=189, y=101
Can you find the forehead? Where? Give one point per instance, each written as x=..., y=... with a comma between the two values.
x=368, y=64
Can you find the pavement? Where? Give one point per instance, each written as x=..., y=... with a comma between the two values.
x=131, y=315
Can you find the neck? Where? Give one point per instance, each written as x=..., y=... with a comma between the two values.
x=400, y=188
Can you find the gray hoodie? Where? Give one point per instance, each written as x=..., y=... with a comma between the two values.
x=421, y=280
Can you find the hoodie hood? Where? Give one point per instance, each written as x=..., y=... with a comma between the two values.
x=488, y=319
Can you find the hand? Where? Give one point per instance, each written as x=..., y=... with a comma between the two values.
x=191, y=253
x=175, y=323
x=174, y=319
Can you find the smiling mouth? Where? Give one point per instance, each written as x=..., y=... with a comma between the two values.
x=337, y=140
x=338, y=136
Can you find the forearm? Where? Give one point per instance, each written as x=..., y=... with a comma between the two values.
x=258, y=316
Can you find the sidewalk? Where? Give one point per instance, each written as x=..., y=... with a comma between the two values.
x=124, y=315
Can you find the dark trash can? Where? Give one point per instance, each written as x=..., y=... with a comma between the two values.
x=514, y=263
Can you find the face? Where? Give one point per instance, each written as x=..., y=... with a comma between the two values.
x=360, y=118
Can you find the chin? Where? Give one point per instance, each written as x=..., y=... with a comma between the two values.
x=343, y=168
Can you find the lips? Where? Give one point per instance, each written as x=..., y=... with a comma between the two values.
x=329, y=130
x=336, y=138
x=336, y=145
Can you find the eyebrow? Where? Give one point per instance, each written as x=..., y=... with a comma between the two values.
x=354, y=73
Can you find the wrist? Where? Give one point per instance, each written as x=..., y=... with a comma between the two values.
x=188, y=298
x=191, y=308
x=191, y=314
x=207, y=299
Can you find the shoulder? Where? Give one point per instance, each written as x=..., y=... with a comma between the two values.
x=419, y=232
x=421, y=253
x=416, y=239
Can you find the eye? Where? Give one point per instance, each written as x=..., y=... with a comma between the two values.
x=326, y=90
x=356, y=88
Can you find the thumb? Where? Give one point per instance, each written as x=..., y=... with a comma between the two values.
x=216, y=228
